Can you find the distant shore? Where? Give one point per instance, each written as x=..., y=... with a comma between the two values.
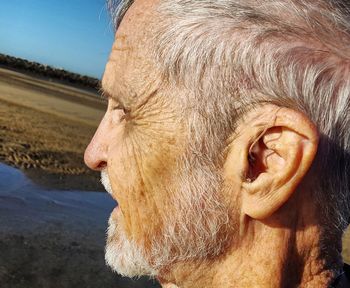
x=49, y=73
x=44, y=129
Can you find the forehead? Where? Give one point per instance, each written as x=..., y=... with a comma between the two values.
x=129, y=62
x=139, y=15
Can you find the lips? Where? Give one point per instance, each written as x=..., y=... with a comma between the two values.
x=115, y=212
x=107, y=184
x=114, y=198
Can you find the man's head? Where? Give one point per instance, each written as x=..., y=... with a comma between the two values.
x=215, y=112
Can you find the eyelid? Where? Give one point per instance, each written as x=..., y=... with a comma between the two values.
x=107, y=96
x=104, y=94
x=118, y=107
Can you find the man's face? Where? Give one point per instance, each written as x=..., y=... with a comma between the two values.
x=140, y=147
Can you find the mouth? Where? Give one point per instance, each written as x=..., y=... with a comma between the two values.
x=116, y=210
x=114, y=198
x=115, y=213
x=107, y=185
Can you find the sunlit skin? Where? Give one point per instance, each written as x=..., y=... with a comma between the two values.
x=139, y=136
x=142, y=135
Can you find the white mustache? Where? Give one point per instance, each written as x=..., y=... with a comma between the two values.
x=105, y=181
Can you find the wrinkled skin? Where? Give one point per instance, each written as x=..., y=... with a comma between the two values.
x=140, y=140
x=140, y=135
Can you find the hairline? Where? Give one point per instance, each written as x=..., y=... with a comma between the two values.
x=117, y=10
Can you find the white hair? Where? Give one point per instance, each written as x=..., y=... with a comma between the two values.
x=123, y=255
x=234, y=54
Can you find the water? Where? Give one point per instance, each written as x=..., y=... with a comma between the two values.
x=54, y=239
x=23, y=205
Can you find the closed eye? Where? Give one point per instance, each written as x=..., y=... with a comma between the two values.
x=119, y=107
x=116, y=105
x=106, y=96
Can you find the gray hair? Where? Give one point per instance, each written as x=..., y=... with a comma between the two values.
x=235, y=54
x=117, y=9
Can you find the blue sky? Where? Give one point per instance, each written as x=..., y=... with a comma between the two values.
x=75, y=35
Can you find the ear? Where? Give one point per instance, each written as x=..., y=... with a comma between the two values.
x=275, y=148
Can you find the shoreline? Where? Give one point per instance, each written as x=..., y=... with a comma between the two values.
x=46, y=136
x=54, y=239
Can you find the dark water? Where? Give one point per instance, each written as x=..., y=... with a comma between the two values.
x=26, y=206
x=54, y=238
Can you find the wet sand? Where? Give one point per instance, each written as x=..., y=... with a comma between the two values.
x=44, y=129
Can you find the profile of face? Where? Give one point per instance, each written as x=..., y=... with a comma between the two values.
x=164, y=214
x=185, y=188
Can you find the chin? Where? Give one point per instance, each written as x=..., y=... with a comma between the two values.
x=123, y=255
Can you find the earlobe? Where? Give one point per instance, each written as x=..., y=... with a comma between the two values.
x=278, y=156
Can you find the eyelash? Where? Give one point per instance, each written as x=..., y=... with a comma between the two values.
x=106, y=98
x=119, y=107
x=125, y=111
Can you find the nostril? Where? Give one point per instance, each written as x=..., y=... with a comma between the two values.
x=102, y=165
x=94, y=161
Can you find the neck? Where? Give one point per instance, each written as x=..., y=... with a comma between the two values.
x=283, y=251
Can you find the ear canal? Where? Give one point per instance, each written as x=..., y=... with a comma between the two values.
x=262, y=152
x=255, y=159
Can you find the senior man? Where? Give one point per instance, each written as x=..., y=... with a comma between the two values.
x=226, y=142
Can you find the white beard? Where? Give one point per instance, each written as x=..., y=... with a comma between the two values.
x=192, y=239
x=105, y=182
x=121, y=254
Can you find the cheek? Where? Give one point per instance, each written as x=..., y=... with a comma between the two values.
x=141, y=165
x=134, y=182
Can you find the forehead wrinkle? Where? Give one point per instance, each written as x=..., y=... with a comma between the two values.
x=127, y=48
x=127, y=57
x=121, y=43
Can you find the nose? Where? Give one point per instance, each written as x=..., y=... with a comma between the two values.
x=95, y=156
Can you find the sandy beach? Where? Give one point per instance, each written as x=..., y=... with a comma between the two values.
x=44, y=129
x=52, y=230
x=50, y=236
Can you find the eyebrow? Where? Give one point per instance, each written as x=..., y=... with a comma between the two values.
x=123, y=95
x=105, y=95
